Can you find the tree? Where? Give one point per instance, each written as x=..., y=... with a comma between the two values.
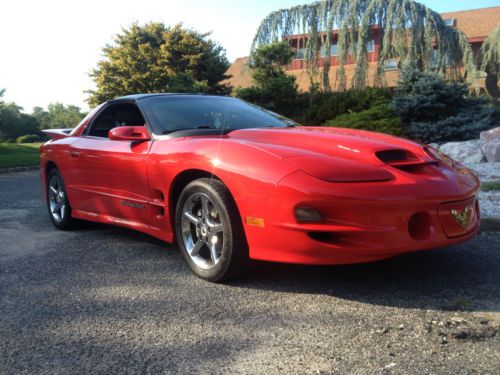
x=14, y=123
x=490, y=53
x=268, y=61
x=408, y=33
x=58, y=116
x=434, y=110
x=157, y=58
x=273, y=88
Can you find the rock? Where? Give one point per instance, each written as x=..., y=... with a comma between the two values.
x=487, y=172
x=434, y=145
x=390, y=365
x=464, y=152
x=490, y=144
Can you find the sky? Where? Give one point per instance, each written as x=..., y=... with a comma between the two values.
x=47, y=48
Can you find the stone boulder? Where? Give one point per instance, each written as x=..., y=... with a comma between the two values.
x=464, y=152
x=434, y=145
x=490, y=144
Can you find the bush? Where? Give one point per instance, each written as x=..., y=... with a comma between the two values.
x=379, y=118
x=30, y=138
x=278, y=95
x=273, y=88
x=434, y=110
x=277, y=91
x=319, y=107
x=467, y=123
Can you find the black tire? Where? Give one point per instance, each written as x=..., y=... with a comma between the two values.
x=60, y=217
x=233, y=251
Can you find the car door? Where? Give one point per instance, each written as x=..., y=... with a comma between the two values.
x=110, y=176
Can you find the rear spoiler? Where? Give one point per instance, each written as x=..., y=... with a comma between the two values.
x=56, y=134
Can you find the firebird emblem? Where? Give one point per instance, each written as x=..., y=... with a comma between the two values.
x=462, y=218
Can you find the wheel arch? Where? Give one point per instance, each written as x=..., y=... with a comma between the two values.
x=47, y=167
x=180, y=181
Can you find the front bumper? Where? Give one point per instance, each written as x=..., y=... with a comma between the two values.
x=362, y=222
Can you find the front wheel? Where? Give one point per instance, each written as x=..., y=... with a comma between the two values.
x=209, y=230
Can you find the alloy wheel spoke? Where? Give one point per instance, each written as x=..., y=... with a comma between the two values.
x=204, y=205
x=213, y=253
x=196, y=248
x=216, y=228
x=54, y=190
x=193, y=219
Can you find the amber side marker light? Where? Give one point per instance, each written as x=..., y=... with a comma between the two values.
x=255, y=221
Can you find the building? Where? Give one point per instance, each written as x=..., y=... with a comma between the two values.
x=476, y=24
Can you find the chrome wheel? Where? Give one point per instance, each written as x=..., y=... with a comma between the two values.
x=57, y=198
x=202, y=230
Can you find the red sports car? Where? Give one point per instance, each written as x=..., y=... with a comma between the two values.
x=231, y=182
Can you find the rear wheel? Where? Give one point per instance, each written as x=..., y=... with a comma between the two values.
x=209, y=230
x=57, y=201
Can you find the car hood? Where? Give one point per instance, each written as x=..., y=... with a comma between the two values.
x=336, y=154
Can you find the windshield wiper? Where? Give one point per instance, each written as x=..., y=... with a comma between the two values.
x=182, y=129
x=273, y=126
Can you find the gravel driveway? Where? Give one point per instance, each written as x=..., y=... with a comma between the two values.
x=108, y=300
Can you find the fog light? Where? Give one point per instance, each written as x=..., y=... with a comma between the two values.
x=307, y=215
x=420, y=226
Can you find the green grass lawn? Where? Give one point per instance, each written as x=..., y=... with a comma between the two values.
x=19, y=155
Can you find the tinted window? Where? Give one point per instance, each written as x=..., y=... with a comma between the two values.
x=114, y=116
x=171, y=113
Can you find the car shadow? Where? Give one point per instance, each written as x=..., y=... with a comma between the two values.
x=459, y=278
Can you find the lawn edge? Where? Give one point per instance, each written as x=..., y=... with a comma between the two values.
x=19, y=169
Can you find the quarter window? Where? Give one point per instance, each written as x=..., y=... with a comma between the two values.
x=123, y=114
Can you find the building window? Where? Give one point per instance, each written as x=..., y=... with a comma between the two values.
x=370, y=47
x=390, y=64
x=449, y=21
x=333, y=50
x=435, y=59
x=301, y=53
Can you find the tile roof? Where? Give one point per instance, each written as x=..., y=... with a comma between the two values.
x=475, y=23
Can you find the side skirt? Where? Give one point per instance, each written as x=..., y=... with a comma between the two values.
x=130, y=224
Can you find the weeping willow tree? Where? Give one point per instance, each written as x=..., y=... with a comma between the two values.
x=490, y=52
x=407, y=31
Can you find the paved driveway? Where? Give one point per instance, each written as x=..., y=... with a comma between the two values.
x=107, y=300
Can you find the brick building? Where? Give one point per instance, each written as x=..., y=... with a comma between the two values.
x=476, y=24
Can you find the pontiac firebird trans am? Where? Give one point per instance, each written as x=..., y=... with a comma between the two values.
x=232, y=182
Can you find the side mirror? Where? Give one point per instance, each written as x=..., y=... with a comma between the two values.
x=129, y=133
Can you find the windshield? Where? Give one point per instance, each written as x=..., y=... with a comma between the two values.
x=167, y=114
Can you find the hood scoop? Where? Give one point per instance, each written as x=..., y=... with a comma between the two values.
x=403, y=159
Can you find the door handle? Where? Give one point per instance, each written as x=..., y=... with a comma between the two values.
x=74, y=154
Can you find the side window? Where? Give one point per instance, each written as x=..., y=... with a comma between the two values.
x=113, y=116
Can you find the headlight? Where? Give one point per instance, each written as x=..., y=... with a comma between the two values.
x=438, y=155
